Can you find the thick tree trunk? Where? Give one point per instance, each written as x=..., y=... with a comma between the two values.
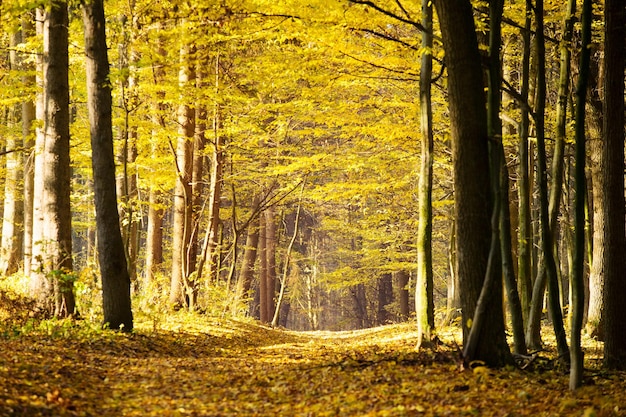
x=595, y=314
x=473, y=199
x=115, y=278
x=614, y=209
x=53, y=249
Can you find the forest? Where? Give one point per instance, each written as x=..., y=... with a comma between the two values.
x=316, y=169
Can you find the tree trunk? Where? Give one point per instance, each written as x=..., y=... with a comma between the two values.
x=546, y=235
x=156, y=204
x=401, y=279
x=614, y=209
x=53, y=250
x=127, y=154
x=577, y=281
x=215, y=187
x=262, y=253
x=270, y=253
x=424, y=304
x=500, y=174
x=246, y=274
x=115, y=278
x=385, y=297
x=154, y=235
x=473, y=199
x=11, y=252
x=524, y=184
x=28, y=117
x=595, y=321
x=183, y=290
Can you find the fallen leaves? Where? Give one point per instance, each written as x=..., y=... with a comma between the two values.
x=232, y=368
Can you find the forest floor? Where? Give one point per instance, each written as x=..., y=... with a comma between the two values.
x=192, y=365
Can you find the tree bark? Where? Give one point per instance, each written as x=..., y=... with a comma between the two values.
x=546, y=235
x=246, y=273
x=577, y=281
x=270, y=253
x=424, y=304
x=111, y=255
x=473, y=199
x=53, y=251
x=614, y=209
x=595, y=314
x=524, y=184
x=183, y=290
x=11, y=252
x=28, y=117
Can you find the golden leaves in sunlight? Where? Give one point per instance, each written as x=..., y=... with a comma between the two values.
x=232, y=368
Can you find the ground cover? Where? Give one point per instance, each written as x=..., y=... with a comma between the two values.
x=193, y=365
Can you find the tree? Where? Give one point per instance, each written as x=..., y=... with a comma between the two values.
x=183, y=290
x=52, y=273
x=577, y=285
x=473, y=199
x=28, y=117
x=111, y=254
x=549, y=262
x=615, y=210
x=424, y=288
x=13, y=213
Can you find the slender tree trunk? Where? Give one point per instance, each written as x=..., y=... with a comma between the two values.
x=262, y=253
x=154, y=235
x=183, y=290
x=215, y=187
x=38, y=283
x=127, y=180
x=524, y=185
x=115, y=278
x=577, y=284
x=156, y=199
x=28, y=117
x=287, y=262
x=270, y=253
x=546, y=235
x=425, y=309
x=615, y=210
x=13, y=213
x=500, y=176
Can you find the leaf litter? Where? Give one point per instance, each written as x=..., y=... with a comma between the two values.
x=200, y=366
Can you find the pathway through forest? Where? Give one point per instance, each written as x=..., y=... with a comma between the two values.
x=198, y=366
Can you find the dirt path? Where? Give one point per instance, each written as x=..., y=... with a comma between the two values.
x=228, y=368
